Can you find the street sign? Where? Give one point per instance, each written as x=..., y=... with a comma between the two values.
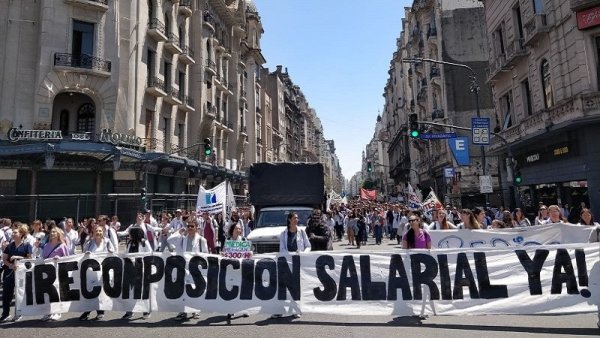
x=460, y=150
x=480, y=129
x=449, y=172
x=437, y=136
x=485, y=184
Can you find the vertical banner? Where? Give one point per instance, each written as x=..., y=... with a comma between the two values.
x=414, y=202
x=212, y=200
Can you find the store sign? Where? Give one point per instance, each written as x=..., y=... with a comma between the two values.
x=560, y=151
x=107, y=136
x=533, y=158
x=549, y=153
x=81, y=136
x=15, y=135
x=588, y=18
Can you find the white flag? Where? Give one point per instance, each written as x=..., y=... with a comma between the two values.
x=414, y=202
x=212, y=200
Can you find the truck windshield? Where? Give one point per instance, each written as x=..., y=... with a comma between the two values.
x=275, y=218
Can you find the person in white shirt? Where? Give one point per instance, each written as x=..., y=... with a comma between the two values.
x=440, y=221
x=208, y=228
x=109, y=232
x=149, y=230
x=188, y=240
x=97, y=244
x=177, y=223
x=554, y=215
x=71, y=236
x=542, y=216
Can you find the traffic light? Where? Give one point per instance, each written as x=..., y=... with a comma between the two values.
x=413, y=126
x=143, y=194
x=518, y=179
x=369, y=166
x=207, y=147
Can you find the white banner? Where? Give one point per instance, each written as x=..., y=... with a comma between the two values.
x=215, y=200
x=414, y=202
x=510, y=237
x=529, y=280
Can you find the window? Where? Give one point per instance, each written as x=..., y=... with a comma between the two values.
x=86, y=116
x=149, y=125
x=151, y=64
x=167, y=24
x=180, y=134
x=166, y=133
x=181, y=83
x=150, y=10
x=208, y=56
x=526, y=92
x=181, y=35
x=519, y=22
x=64, y=122
x=499, y=41
x=83, y=38
x=167, y=76
x=538, y=6
x=506, y=109
x=547, y=84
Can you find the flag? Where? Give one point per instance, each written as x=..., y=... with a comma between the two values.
x=431, y=203
x=212, y=200
x=368, y=194
x=414, y=203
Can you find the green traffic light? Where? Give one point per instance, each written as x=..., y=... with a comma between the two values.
x=518, y=180
x=207, y=151
x=414, y=133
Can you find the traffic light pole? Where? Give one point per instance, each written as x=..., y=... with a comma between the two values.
x=474, y=88
x=513, y=194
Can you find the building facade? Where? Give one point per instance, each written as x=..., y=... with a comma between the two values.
x=544, y=73
x=120, y=96
x=442, y=32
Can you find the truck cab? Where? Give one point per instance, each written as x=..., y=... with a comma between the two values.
x=271, y=222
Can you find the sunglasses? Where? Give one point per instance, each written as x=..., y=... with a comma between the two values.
x=191, y=226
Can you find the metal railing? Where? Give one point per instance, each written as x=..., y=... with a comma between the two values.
x=154, y=81
x=173, y=39
x=186, y=100
x=84, y=61
x=187, y=50
x=154, y=23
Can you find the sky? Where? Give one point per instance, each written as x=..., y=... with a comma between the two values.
x=338, y=52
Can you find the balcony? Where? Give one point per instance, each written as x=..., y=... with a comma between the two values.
x=580, y=108
x=536, y=28
x=210, y=67
x=96, y=5
x=243, y=95
x=243, y=130
x=187, y=103
x=221, y=83
x=156, y=87
x=577, y=5
x=185, y=8
x=82, y=63
x=187, y=55
x=496, y=65
x=210, y=110
x=156, y=30
x=172, y=44
x=173, y=96
x=515, y=50
x=258, y=140
x=209, y=22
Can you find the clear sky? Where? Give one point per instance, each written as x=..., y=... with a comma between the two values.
x=338, y=52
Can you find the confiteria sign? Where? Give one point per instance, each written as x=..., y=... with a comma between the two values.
x=15, y=134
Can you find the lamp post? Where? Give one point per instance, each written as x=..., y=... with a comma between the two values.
x=145, y=189
x=474, y=88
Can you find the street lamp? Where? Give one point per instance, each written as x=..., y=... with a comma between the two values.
x=474, y=89
x=145, y=189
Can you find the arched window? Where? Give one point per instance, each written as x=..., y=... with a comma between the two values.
x=547, y=83
x=86, y=116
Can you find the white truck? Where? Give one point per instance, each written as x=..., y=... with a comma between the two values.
x=277, y=189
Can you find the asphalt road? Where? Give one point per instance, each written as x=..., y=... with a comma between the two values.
x=216, y=325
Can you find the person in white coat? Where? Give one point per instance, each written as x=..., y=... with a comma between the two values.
x=109, y=233
x=188, y=240
x=137, y=244
x=149, y=230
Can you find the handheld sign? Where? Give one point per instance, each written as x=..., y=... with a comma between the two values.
x=237, y=249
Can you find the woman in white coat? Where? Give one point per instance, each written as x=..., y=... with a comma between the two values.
x=188, y=240
x=293, y=239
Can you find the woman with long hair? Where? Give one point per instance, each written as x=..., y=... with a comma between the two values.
x=468, y=220
x=293, y=239
x=554, y=215
x=351, y=227
x=519, y=219
x=440, y=221
x=586, y=217
x=16, y=250
x=55, y=247
x=542, y=216
x=416, y=237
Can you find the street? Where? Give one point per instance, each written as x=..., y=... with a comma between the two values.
x=311, y=325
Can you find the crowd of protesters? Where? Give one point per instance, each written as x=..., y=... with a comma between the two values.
x=194, y=232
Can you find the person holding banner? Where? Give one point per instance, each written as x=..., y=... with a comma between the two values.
x=97, y=244
x=16, y=250
x=468, y=220
x=519, y=219
x=149, y=229
x=235, y=235
x=441, y=222
x=542, y=216
x=416, y=237
x=318, y=233
x=137, y=243
x=188, y=240
x=54, y=248
x=293, y=239
x=555, y=215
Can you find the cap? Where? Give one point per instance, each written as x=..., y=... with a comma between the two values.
x=178, y=210
x=147, y=211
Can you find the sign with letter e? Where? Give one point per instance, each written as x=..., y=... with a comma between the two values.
x=460, y=150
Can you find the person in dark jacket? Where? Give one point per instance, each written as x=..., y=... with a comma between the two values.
x=318, y=233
